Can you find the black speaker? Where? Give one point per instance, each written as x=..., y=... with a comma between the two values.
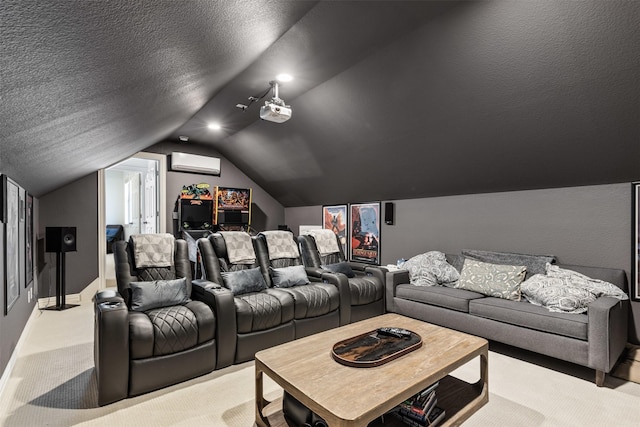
x=61, y=239
x=388, y=213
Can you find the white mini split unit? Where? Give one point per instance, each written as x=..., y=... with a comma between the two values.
x=184, y=162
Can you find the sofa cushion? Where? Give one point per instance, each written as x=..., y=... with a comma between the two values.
x=430, y=269
x=454, y=299
x=536, y=264
x=526, y=315
x=502, y=281
x=244, y=281
x=286, y=277
x=158, y=293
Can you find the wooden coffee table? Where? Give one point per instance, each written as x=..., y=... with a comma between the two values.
x=349, y=396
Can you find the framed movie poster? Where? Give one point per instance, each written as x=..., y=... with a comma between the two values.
x=364, y=220
x=11, y=203
x=335, y=218
x=635, y=242
x=29, y=240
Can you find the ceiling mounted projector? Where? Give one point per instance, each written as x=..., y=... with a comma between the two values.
x=274, y=112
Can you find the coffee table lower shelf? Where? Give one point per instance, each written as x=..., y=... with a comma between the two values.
x=458, y=398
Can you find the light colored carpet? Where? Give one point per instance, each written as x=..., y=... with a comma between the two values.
x=53, y=384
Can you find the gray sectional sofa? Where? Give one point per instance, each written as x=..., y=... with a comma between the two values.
x=594, y=339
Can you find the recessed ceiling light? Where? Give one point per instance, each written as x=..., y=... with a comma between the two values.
x=284, y=77
x=183, y=138
x=214, y=126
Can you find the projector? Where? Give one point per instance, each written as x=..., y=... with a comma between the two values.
x=275, y=112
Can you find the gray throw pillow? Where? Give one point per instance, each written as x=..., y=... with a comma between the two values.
x=340, y=267
x=536, y=264
x=287, y=277
x=244, y=281
x=501, y=281
x=158, y=293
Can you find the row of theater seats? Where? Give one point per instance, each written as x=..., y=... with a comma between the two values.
x=160, y=327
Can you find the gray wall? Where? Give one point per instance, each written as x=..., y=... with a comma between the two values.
x=13, y=323
x=588, y=225
x=266, y=213
x=74, y=205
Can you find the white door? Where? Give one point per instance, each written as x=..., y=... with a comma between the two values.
x=132, y=204
x=150, y=197
x=144, y=200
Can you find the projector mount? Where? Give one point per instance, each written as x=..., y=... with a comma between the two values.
x=276, y=104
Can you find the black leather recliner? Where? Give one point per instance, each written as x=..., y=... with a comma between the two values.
x=366, y=286
x=254, y=319
x=320, y=304
x=149, y=333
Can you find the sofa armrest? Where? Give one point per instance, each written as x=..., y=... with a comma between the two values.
x=393, y=279
x=111, y=347
x=608, y=325
x=221, y=301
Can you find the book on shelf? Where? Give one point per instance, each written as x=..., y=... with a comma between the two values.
x=436, y=415
x=420, y=409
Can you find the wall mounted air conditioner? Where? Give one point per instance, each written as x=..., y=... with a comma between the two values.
x=184, y=162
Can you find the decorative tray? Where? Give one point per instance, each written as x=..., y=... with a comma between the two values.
x=373, y=349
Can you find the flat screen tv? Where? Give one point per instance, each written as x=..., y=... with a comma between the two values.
x=233, y=206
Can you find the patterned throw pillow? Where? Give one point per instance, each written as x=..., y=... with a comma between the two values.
x=495, y=280
x=554, y=294
x=430, y=269
x=567, y=291
x=595, y=286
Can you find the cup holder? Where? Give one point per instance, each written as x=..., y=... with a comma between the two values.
x=110, y=304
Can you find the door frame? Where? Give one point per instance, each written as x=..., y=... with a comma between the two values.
x=102, y=221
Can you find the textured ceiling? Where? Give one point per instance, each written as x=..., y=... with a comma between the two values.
x=390, y=100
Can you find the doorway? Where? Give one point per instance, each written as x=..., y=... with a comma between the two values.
x=133, y=203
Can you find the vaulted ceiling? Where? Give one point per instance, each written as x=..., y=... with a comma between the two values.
x=391, y=99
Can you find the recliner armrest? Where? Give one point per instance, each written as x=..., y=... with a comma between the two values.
x=317, y=274
x=204, y=284
x=393, y=279
x=111, y=347
x=221, y=301
x=607, y=333
x=107, y=295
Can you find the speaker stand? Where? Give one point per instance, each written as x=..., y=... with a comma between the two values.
x=61, y=291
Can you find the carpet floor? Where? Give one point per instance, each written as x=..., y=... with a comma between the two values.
x=52, y=384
